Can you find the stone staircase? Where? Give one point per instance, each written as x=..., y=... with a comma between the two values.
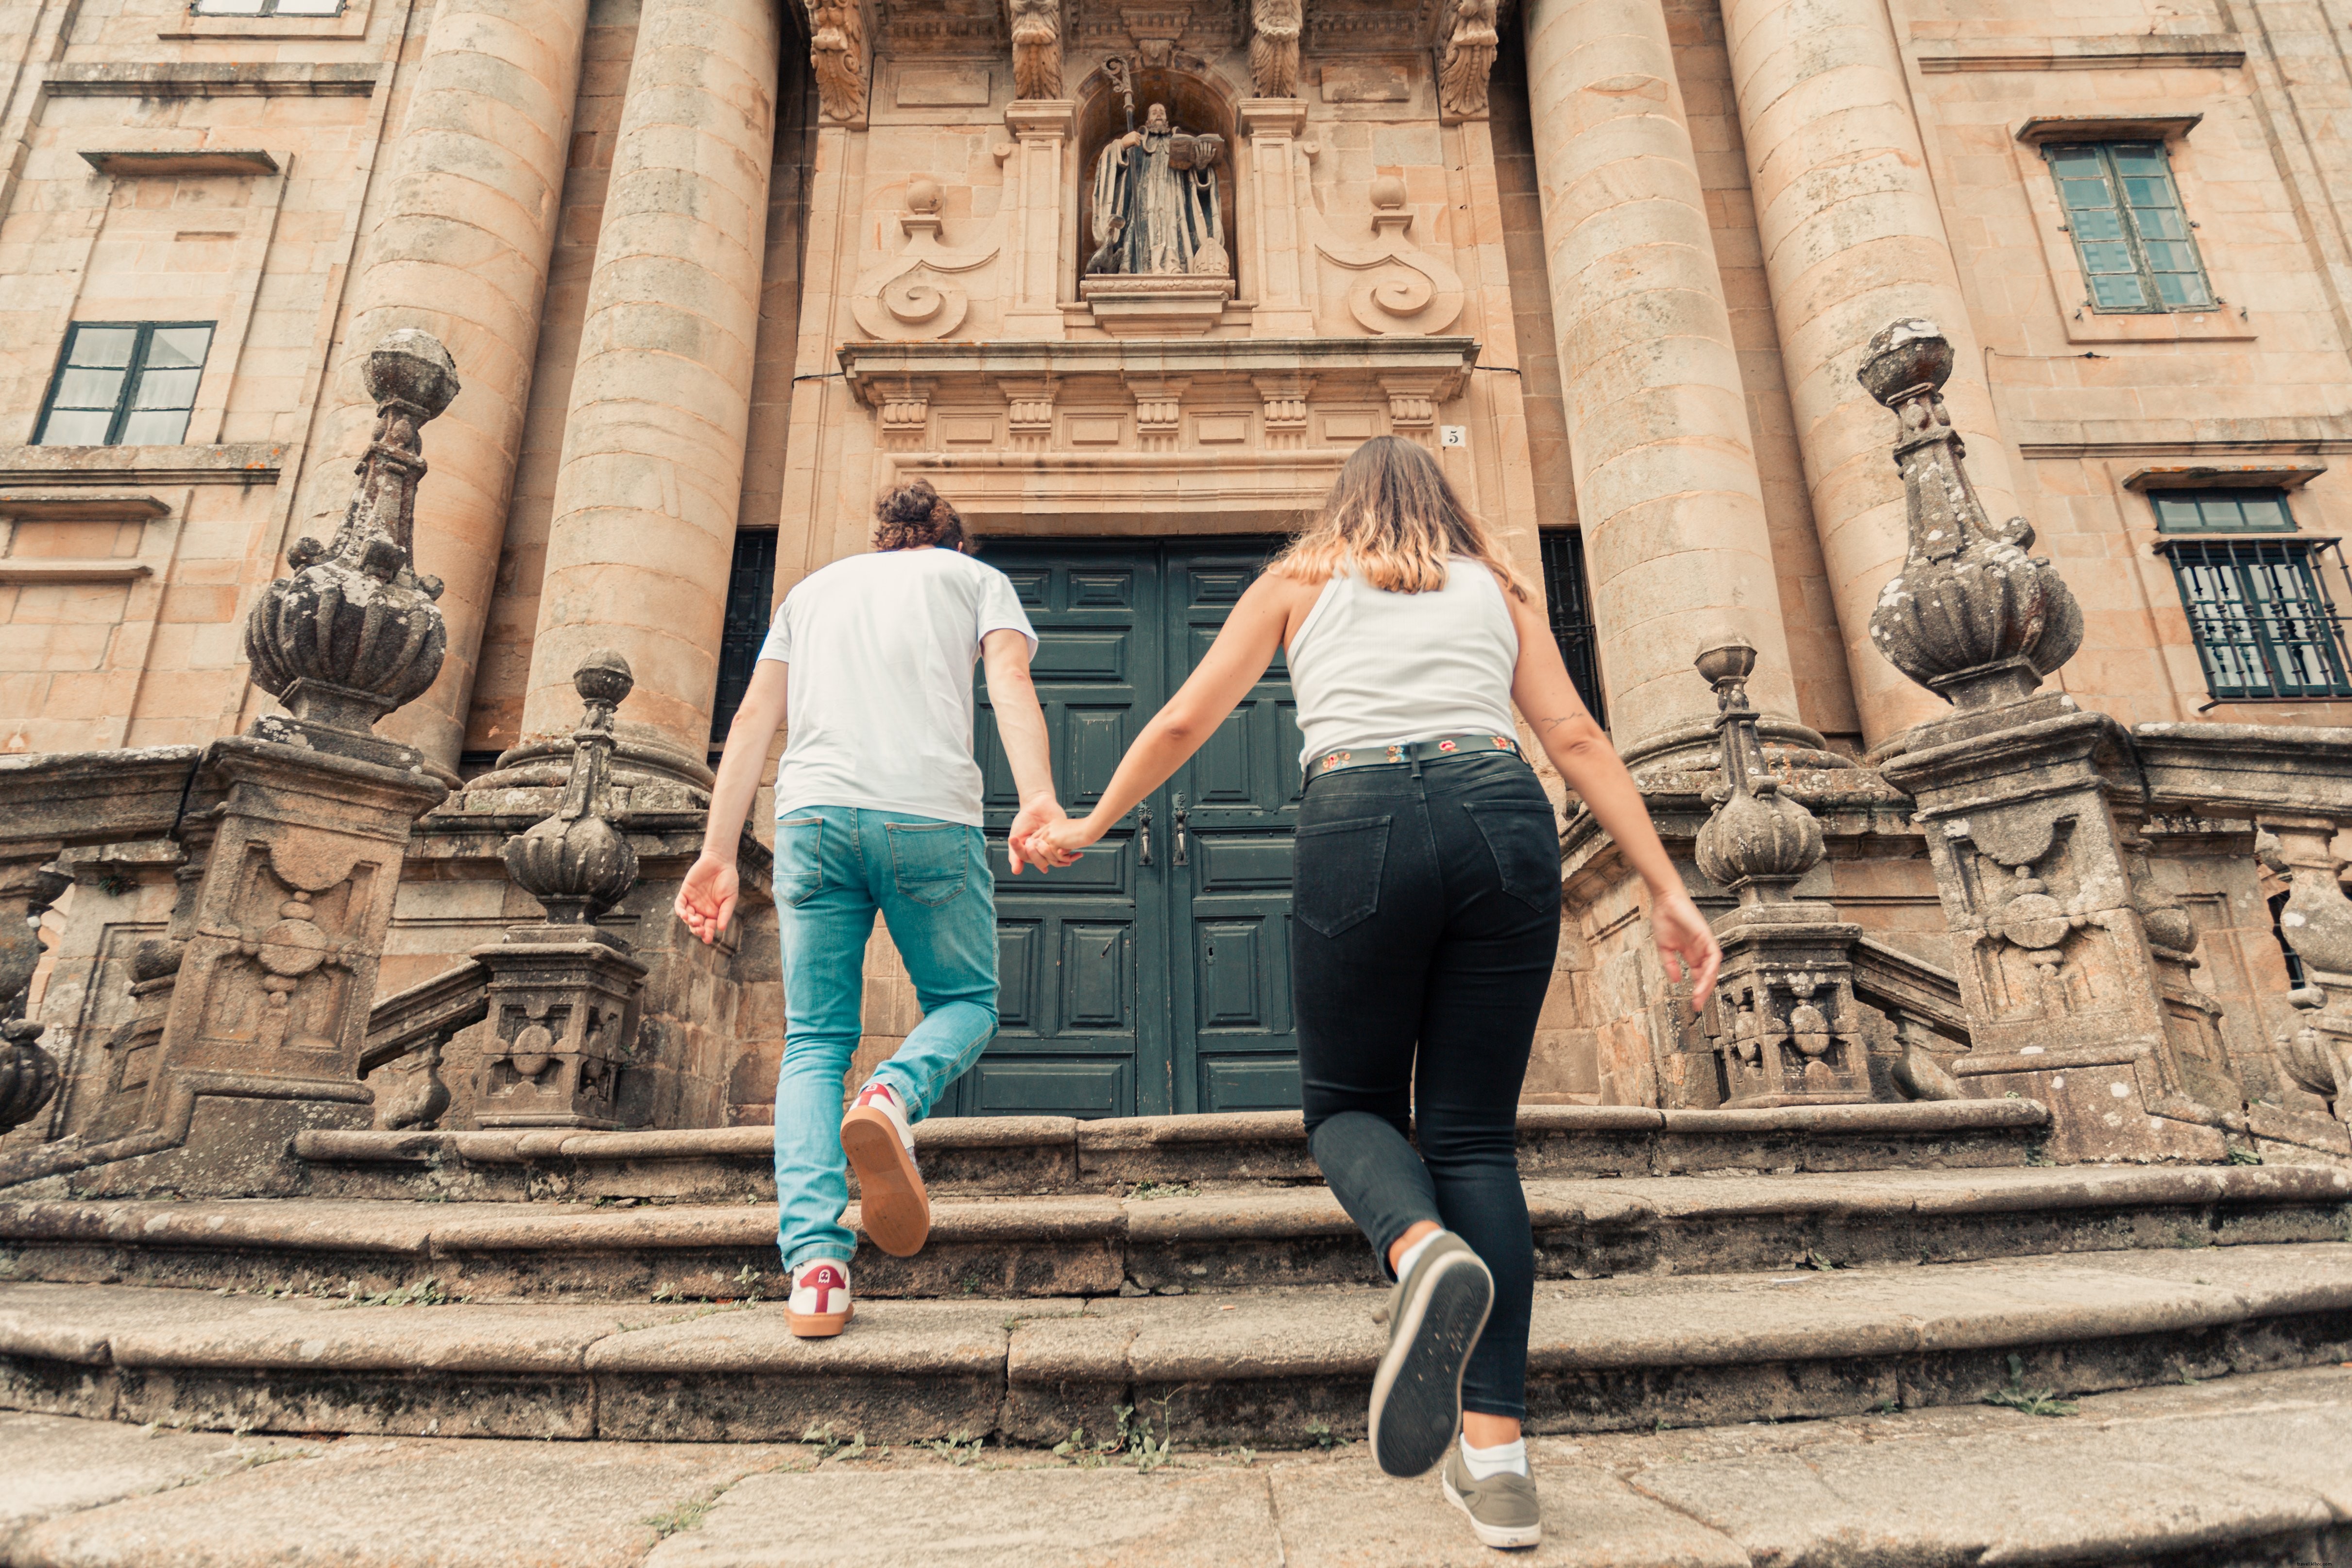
x=1696, y=1270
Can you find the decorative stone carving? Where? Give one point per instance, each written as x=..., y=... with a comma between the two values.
x=566, y=996
x=2317, y=1051
x=838, y=55
x=1971, y=617
x=1787, y=1031
x=1275, y=26
x=1157, y=30
x=1285, y=408
x=914, y=294
x=577, y=864
x=1159, y=411
x=1029, y=410
x=1413, y=406
x=1404, y=289
x=1467, y=59
x=1036, y=49
x=354, y=633
x=28, y=1075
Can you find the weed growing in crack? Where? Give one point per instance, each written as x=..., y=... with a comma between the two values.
x=1148, y=1191
x=956, y=1448
x=831, y=1448
x=2031, y=1401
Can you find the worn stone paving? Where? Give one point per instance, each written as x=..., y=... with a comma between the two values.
x=2236, y=1470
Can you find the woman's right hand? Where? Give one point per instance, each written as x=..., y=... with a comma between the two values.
x=1685, y=941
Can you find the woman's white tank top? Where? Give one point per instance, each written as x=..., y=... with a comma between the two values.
x=1373, y=668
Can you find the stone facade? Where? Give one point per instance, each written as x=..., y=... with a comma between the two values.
x=712, y=268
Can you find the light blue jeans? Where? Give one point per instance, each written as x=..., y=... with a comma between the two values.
x=836, y=867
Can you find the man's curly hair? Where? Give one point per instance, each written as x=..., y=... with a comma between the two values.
x=914, y=515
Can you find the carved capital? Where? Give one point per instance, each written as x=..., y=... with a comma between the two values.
x=1285, y=408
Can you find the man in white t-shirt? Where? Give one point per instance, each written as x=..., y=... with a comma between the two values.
x=878, y=809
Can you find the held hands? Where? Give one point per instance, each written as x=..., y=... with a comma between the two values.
x=706, y=900
x=1061, y=839
x=1025, y=844
x=1686, y=943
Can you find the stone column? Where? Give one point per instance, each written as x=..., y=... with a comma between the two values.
x=1853, y=238
x=461, y=250
x=643, y=527
x=1040, y=130
x=1666, y=486
x=1284, y=277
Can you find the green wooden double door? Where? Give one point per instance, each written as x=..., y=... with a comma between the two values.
x=1153, y=977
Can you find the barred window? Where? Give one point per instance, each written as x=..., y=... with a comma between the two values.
x=125, y=383
x=1571, y=606
x=750, y=585
x=2130, y=233
x=2260, y=609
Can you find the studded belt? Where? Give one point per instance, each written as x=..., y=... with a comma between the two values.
x=1439, y=750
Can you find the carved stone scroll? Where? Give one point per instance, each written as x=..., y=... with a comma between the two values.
x=915, y=294
x=1404, y=290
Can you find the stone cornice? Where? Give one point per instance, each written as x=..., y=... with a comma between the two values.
x=867, y=367
x=237, y=463
x=2125, y=51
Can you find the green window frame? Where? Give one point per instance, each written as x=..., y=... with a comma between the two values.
x=2222, y=512
x=2131, y=233
x=2266, y=626
x=267, y=7
x=124, y=384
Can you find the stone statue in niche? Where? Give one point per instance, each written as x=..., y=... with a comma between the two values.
x=1155, y=201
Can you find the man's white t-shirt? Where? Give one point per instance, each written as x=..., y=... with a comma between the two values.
x=879, y=708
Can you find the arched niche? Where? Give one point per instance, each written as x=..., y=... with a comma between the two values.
x=1193, y=102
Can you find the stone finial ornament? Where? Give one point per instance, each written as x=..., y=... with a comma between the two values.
x=577, y=863
x=1036, y=49
x=1275, y=26
x=1468, y=59
x=1758, y=841
x=354, y=632
x=837, y=54
x=1972, y=616
x=28, y=1075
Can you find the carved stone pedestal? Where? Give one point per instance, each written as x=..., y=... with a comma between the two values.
x=563, y=1009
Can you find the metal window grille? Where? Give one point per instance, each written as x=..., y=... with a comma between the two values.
x=267, y=7
x=2266, y=627
x=125, y=383
x=750, y=585
x=1571, y=606
x=2222, y=512
x=2130, y=233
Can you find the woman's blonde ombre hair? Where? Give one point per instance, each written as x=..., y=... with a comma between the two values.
x=1392, y=519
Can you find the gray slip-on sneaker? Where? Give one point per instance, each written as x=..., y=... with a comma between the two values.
x=1435, y=1315
x=1503, y=1509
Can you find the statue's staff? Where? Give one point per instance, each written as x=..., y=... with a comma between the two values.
x=1105, y=256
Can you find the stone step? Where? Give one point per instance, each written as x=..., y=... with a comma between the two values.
x=2230, y=1473
x=1274, y=1368
x=1088, y=1245
x=1037, y=1155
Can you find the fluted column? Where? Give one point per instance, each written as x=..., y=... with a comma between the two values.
x=1666, y=486
x=461, y=250
x=644, y=525
x=1854, y=238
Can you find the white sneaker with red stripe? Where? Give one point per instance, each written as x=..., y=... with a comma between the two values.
x=893, y=1207
x=819, y=1306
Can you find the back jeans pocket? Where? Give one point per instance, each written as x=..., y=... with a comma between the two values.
x=1523, y=835
x=800, y=859
x=928, y=860
x=1338, y=879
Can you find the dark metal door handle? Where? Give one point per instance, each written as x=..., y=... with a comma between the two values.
x=1143, y=833
x=1181, y=817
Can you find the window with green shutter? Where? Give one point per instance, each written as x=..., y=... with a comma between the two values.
x=2130, y=233
x=125, y=383
x=2222, y=512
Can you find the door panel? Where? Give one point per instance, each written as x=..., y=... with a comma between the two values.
x=1153, y=977
x=1238, y=802
x=1079, y=947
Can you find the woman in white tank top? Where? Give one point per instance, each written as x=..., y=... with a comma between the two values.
x=1426, y=920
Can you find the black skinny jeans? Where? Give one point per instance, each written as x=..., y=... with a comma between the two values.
x=1426, y=914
